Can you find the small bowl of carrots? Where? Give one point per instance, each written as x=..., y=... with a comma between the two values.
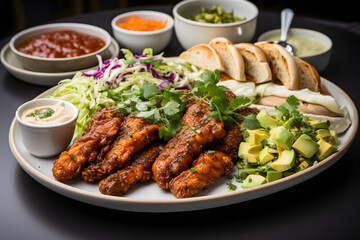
x=138, y=30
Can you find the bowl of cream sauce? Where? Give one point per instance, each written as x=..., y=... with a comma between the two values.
x=46, y=125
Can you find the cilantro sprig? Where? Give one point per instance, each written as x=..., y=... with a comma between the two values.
x=166, y=106
x=156, y=106
x=222, y=109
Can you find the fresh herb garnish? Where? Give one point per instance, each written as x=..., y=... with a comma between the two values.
x=42, y=114
x=231, y=186
x=165, y=106
x=156, y=106
x=193, y=170
x=222, y=109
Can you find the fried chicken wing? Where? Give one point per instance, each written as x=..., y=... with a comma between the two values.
x=134, y=134
x=139, y=170
x=102, y=129
x=203, y=172
x=182, y=149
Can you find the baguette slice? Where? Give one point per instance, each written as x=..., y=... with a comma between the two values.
x=309, y=76
x=257, y=63
x=203, y=56
x=283, y=64
x=232, y=59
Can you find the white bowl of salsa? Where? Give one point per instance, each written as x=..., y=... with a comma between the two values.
x=312, y=46
x=46, y=125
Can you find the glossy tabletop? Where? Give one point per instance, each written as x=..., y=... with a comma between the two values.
x=324, y=207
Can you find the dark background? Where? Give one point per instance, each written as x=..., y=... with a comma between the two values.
x=19, y=14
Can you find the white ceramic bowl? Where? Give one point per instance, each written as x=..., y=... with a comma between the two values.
x=53, y=65
x=137, y=41
x=320, y=60
x=46, y=140
x=190, y=33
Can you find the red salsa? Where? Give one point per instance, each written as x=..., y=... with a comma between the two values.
x=61, y=44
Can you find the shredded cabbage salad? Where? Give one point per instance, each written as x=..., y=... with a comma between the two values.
x=93, y=90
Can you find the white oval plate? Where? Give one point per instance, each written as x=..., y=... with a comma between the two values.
x=12, y=64
x=148, y=197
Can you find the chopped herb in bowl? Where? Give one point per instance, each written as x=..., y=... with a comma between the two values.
x=215, y=15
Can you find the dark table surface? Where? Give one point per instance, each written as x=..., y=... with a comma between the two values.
x=324, y=207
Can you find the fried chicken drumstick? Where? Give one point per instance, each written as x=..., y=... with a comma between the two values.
x=134, y=134
x=103, y=127
x=139, y=170
x=199, y=129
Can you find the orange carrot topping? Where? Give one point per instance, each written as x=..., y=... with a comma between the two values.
x=135, y=23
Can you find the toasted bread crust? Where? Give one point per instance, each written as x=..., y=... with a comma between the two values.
x=283, y=64
x=257, y=63
x=203, y=56
x=309, y=76
x=232, y=59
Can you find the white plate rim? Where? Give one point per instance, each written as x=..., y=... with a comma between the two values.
x=188, y=204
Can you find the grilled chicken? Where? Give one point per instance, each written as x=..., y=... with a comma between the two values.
x=139, y=170
x=134, y=134
x=203, y=172
x=199, y=129
x=103, y=128
x=211, y=164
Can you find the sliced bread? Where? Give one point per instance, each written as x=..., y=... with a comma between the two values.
x=203, y=56
x=283, y=64
x=230, y=56
x=309, y=76
x=257, y=63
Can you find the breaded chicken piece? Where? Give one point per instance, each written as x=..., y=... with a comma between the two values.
x=134, y=134
x=203, y=172
x=139, y=170
x=102, y=129
x=199, y=130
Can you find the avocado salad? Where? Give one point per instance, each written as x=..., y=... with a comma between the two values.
x=281, y=145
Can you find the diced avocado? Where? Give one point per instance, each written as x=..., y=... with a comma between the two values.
x=285, y=161
x=247, y=148
x=319, y=123
x=265, y=156
x=272, y=150
x=334, y=135
x=250, y=152
x=289, y=123
x=306, y=146
x=283, y=137
x=253, y=180
x=265, y=120
x=252, y=158
x=273, y=175
x=325, y=149
x=303, y=165
x=250, y=170
x=322, y=133
x=256, y=136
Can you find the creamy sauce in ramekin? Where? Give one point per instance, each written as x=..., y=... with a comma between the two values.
x=47, y=115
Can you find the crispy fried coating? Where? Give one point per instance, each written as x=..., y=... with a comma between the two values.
x=102, y=129
x=135, y=133
x=182, y=149
x=203, y=172
x=139, y=170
